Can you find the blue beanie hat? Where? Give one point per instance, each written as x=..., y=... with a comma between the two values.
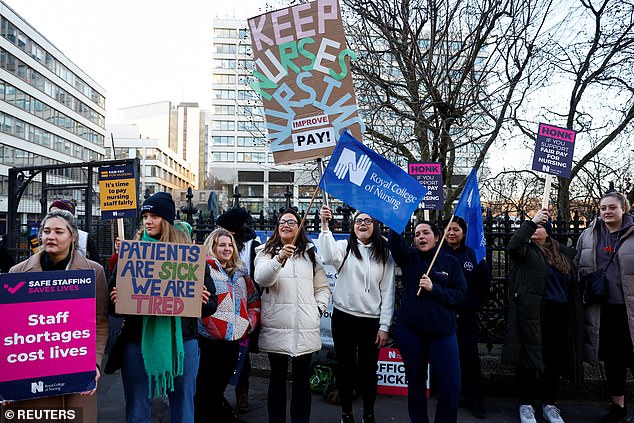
x=162, y=205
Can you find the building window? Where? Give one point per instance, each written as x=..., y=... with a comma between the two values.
x=251, y=141
x=223, y=156
x=225, y=110
x=224, y=94
x=224, y=125
x=223, y=141
x=225, y=48
x=251, y=157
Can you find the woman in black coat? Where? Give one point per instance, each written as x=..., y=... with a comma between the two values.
x=545, y=321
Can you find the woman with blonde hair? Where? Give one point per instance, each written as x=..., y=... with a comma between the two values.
x=220, y=334
x=608, y=245
x=161, y=355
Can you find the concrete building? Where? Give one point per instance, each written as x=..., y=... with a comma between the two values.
x=170, y=141
x=239, y=155
x=51, y=111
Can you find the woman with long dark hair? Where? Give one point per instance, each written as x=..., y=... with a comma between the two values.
x=478, y=279
x=295, y=293
x=363, y=306
x=544, y=327
x=426, y=323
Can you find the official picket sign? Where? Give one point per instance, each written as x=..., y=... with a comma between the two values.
x=48, y=333
x=554, y=149
x=117, y=191
x=303, y=75
x=369, y=182
x=429, y=175
x=160, y=278
x=390, y=372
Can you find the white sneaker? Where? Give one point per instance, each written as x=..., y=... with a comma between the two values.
x=527, y=414
x=551, y=414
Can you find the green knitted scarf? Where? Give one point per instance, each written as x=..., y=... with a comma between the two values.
x=162, y=348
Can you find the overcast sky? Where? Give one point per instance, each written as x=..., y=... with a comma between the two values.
x=140, y=51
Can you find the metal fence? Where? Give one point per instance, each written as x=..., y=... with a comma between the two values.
x=497, y=229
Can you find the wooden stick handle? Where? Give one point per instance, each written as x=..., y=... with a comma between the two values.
x=547, y=184
x=301, y=224
x=433, y=260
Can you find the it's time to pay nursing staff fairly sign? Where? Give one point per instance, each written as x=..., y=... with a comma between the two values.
x=303, y=76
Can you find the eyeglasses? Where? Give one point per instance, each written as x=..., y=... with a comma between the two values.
x=367, y=221
x=289, y=222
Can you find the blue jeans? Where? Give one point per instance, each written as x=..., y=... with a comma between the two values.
x=442, y=354
x=138, y=406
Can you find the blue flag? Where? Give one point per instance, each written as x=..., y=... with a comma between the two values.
x=470, y=210
x=369, y=182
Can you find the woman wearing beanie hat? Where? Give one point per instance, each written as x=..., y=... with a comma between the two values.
x=149, y=368
x=544, y=333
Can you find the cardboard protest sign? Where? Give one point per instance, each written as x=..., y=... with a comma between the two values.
x=554, y=150
x=117, y=191
x=303, y=76
x=430, y=176
x=160, y=278
x=47, y=333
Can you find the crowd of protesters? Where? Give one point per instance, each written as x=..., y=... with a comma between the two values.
x=270, y=298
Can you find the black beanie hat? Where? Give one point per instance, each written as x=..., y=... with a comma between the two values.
x=234, y=219
x=160, y=204
x=548, y=226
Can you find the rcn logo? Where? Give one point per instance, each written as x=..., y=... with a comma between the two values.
x=348, y=163
x=37, y=387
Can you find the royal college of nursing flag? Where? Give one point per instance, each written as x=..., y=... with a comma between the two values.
x=470, y=210
x=367, y=181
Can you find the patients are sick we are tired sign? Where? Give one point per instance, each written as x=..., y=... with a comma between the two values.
x=303, y=76
x=160, y=278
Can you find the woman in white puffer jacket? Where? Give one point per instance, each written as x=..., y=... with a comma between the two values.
x=295, y=293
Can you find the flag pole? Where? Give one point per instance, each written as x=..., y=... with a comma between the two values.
x=320, y=169
x=312, y=200
x=444, y=235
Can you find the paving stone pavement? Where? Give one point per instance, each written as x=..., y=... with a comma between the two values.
x=388, y=408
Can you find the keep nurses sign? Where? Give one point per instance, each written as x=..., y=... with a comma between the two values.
x=303, y=76
x=160, y=278
x=47, y=334
x=553, y=150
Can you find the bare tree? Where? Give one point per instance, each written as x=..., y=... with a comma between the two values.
x=435, y=77
x=592, y=63
x=513, y=191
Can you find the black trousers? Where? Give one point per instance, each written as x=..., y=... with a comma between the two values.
x=470, y=367
x=218, y=360
x=532, y=383
x=357, y=353
x=615, y=347
x=300, y=391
